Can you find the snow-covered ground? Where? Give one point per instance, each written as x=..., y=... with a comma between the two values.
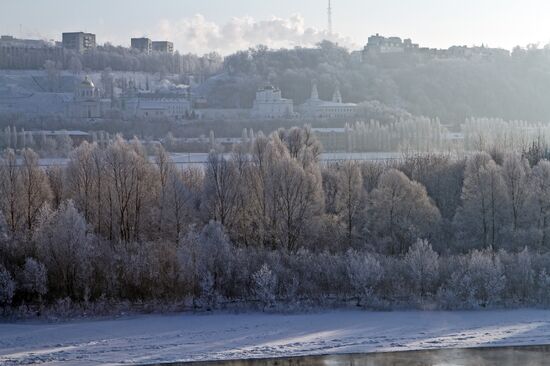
x=157, y=338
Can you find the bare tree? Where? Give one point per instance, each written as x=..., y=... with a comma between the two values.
x=221, y=188
x=36, y=190
x=483, y=196
x=540, y=196
x=515, y=171
x=11, y=191
x=350, y=197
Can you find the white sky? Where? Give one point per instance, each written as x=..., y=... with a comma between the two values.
x=226, y=25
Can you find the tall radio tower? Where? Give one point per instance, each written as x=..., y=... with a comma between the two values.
x=329, y=18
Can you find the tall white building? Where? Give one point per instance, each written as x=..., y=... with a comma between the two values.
x=269, y=104
x=316, y=108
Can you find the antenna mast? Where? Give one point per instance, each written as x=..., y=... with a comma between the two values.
x=329, y=18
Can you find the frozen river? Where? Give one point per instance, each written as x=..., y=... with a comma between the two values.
x=151, y=339
x=498, y=356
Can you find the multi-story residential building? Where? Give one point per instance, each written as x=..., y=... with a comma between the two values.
x=142, y=44
x=79, y=41
x=163, y=46
x=269, y=104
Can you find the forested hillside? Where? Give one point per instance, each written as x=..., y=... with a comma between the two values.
x=509, y=87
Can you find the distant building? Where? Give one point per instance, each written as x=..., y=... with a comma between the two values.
x=161, y=105
x=356, y=56
x=157, y=105
x=163, y=46
x=218, y=114
x=269, y=104
x=332, y=138
x=27, y=53
x=76, y=136
x=87, y=101
x=79, y=41
x=316, y=108
x=142, y=44
x=475, y=52
x=379, y=45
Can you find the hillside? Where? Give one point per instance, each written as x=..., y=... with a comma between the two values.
x=509, y=87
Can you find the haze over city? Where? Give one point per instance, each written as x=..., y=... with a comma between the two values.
x=249, y=182
x=213, y=25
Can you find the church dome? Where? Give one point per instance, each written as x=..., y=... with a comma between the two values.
x=87, y=83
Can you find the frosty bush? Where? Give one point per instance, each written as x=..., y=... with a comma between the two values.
x=423, y=268
x=64, y=246
x=34, y=278
x=208, y=292
x=364, y=273
x=265, y=283
x=7, y=286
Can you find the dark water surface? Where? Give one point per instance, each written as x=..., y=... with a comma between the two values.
x=499, y=356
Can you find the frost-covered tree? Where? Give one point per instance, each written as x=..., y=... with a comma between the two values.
x=80, y=178
x=65, y=249
x=350, y=198
x=33, y=279
x=36, y=190
x=482, y=213
x=520, y=275
x=302, y=145
x=129, y=181
x=165, y=171
x=11, y=191
x=539, y=186
x=208, y=291
x=75, y=65
x=401, y=211
x=221, y=188
x=205, y=253
x=477, y=280
x=422, y=264
x=7, y=286
x=487, y=278
x=543, y=285
x=265, y=285
x=57, y=183
x=515, y=171
x=297, y=200
x=364, y=272
x=3, y=227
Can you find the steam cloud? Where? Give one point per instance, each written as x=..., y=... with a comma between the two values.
x=199, y=35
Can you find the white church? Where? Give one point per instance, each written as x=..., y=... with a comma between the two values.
x=87, y=102
x=316, y=108
x=269, y=104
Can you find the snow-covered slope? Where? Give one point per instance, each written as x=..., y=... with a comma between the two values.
x=147, y=339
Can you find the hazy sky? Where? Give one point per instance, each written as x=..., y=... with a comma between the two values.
x=226, y=25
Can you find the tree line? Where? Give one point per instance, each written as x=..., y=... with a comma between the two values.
x=269, y=224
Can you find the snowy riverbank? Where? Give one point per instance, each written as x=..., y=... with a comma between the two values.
x=157, y=338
